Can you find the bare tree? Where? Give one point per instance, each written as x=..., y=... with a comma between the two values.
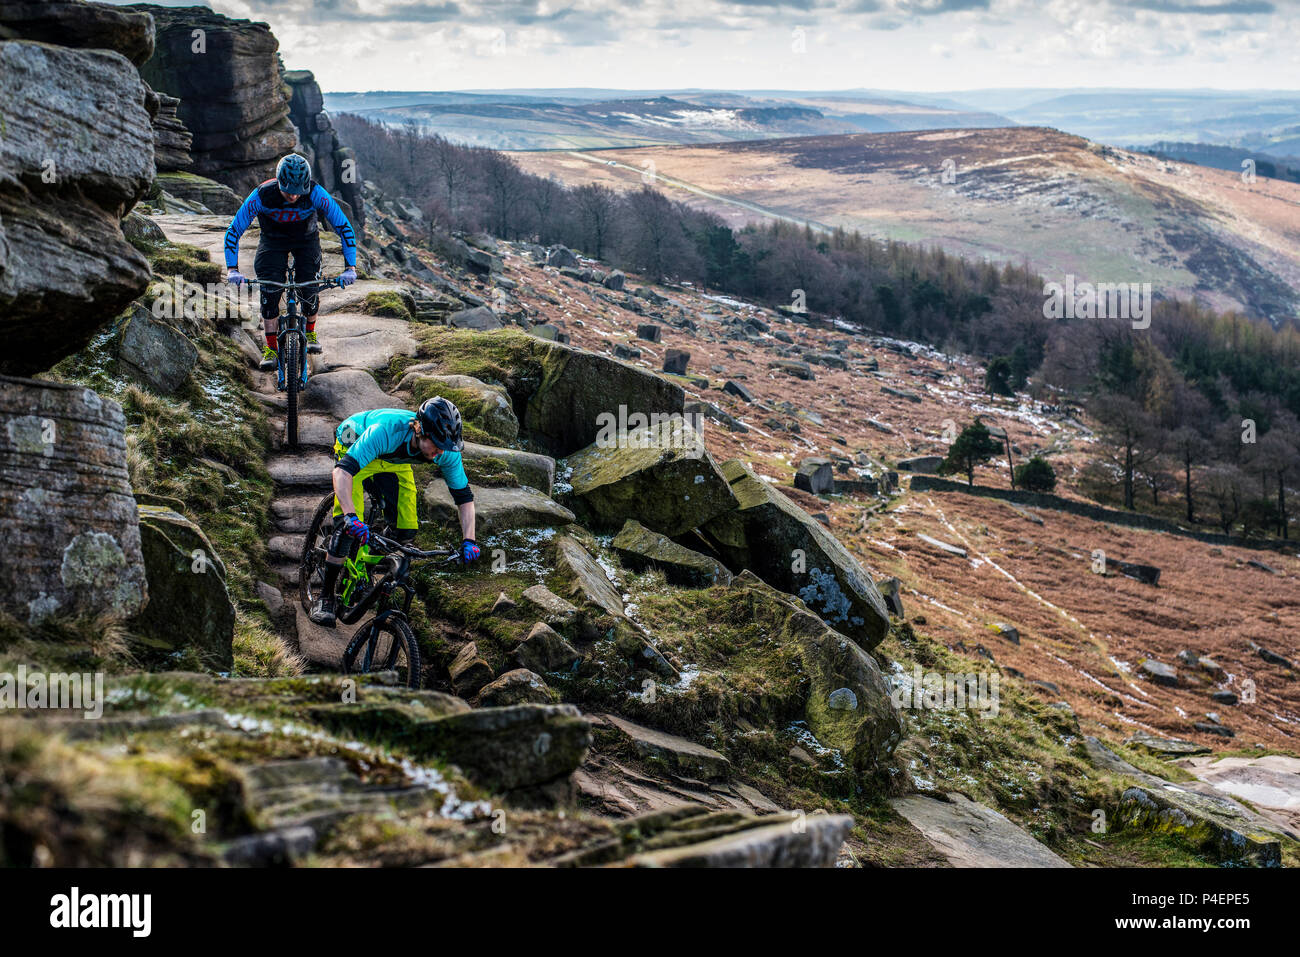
x=597, y=209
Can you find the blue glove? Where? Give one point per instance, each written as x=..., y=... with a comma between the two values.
x=234, y=277
x=469, y=552
x=357, y=528
x=349, y=276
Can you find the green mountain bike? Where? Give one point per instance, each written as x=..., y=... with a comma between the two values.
x=371, y=576
x=292, y=372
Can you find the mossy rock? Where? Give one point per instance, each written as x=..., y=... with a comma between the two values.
x=486, y=408
x=170, y=263
x=787, y=548
x=390, y=303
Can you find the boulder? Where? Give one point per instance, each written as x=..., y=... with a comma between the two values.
x=93, y=26
x=155, y=352
x=561, y=257
x=530, y=468
x=661, y=477
x=171, y=140
x=614, y=281
x=815, y=475
x=506, y=749
x=73, y=538
x=487, y=407
x=738, y=390
x=553, y=609
x=66, y=265
x=480, y=318
x=777, y=540
x=639, y=548
x=676, y=361
x=1159, y=672
x=800, y=370
x=649, y=332
x=623, y=351
x=580, y=394
x=863, y=726
x=496, y=509
x=891, y=591
x=345, y=392
x=924, y=464
x=469, y=671
x=232, y=98
x=519, y=686
x=189, y=606
x=210, y=194
x=673, y=754
x=545, y=652
x=582, y=580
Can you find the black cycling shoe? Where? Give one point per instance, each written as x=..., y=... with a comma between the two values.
x=313, y=347
x=322, y=613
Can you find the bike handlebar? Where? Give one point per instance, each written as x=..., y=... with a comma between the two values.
x=387, y=545
x=336, y=281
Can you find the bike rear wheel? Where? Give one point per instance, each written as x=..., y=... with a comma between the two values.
x=387, y=645
x=290, y=349
x=315, y=543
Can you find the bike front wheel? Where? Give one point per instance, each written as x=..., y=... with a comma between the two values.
x=387, y=645
x=290, y=349
x=315, y=546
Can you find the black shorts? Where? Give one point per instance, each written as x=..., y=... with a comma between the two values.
x=272, y=262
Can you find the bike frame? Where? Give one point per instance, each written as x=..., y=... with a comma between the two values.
x=358, y=571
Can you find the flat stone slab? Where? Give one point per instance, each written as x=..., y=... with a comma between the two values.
x=678, y=754
x=1271, y=783
x=972, y=835
x=360, y=341
x=817, y=844
x=498, y=509
x=302, y=471
x=346, y=392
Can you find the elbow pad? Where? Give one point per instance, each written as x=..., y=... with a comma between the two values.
x=461, y=495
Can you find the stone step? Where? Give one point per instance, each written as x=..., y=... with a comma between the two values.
x=309, y=471
x=314, y=431
x=293, y=513
x=285, y=547
x=969, y=834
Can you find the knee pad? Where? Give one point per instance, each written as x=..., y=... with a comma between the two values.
x=341, y=545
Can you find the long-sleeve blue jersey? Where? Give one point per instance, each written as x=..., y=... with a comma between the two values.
x=288, y=224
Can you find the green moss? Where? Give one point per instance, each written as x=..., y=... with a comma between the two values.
x=388, y=303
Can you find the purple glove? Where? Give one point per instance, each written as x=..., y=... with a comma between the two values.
x=469, y=552
x=349, y=276
x=356, y=528
x=234, y=277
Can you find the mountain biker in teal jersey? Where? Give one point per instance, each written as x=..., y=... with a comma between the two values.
x=286, y=209
x=375, y=450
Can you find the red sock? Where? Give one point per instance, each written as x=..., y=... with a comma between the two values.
x=311, y=323
x=271, y=341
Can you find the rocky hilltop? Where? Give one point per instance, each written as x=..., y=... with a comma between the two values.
x=683, y=647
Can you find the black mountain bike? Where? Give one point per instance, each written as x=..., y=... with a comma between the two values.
x=292, y=352
x=370, y=576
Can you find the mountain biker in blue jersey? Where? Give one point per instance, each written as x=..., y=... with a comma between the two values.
x=375, y=450
x=286, y=209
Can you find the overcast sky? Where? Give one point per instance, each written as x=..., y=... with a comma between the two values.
x=926, y=45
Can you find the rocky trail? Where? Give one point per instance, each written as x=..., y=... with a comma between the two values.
x=354, y=344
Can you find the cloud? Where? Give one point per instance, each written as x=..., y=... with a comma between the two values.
x=1212, y=8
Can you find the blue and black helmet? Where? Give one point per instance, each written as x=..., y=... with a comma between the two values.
x=440, y=421
x=293, y=174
